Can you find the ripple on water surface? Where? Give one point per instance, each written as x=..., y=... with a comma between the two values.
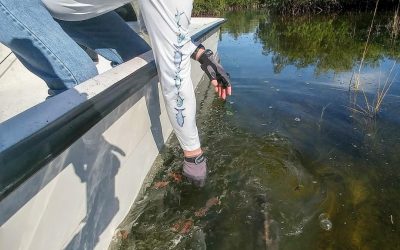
x=291, y=166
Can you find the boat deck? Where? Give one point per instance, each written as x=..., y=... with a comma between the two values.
x=21, y=90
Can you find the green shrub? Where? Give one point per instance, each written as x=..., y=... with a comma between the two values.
x=291, y=7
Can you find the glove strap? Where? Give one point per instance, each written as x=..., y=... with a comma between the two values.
x=193, y=56
x=205, y=57
x=197, y=160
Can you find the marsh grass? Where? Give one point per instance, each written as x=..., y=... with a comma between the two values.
x=370, y=107
x=395, y=26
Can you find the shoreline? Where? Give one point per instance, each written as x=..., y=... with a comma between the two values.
x=311, y=8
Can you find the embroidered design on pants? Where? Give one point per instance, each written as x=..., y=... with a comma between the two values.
x=178, y=57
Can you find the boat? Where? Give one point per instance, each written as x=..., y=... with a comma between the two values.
x=71, y=166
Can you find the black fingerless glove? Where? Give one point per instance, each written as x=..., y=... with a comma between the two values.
x=212, y=68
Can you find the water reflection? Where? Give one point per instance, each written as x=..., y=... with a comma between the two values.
x=327, y=43
x=290, y=164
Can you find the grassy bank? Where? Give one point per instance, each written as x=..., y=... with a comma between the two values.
x=289, y=7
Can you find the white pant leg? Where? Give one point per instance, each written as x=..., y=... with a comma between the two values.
x=167, y=23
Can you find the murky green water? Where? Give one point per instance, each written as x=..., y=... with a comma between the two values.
x=288, y=150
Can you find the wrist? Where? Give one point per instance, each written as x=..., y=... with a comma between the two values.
x=198, y=52
x=193, y=153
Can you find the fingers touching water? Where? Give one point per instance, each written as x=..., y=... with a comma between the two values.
x=223, y=93
x=216, y=73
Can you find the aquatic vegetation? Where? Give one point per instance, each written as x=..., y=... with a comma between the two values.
x=209, y=204
x=237, y=197
x=372, y=108
x=182, y=227
x=359, y=192
x=395, y=25
x=176, y=177
x=271, y=177
x=161, y=184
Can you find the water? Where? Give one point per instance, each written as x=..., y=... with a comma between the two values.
x=294, y=163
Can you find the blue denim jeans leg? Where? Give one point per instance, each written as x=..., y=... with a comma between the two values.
x=45, y=48
x=39, y=42
x=108, y=35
